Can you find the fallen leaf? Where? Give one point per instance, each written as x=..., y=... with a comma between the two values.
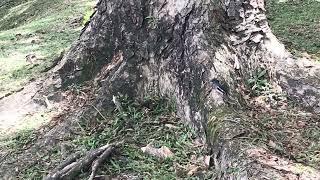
x=207, y=161
x=193, y=169
x=272, y=144
x=163, y=152
x=170, y=126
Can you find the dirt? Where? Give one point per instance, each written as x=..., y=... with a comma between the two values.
x=15, y=108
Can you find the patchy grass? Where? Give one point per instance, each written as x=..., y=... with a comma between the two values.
x=259, y=82
x=19, y=141
x=152, y=121
x=293, y=134
x=290, y=134
x=139, y=124
x=42, y=28
x=297, y=24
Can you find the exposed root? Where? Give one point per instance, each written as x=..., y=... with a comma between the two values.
x=72, y=166
x=99, y=161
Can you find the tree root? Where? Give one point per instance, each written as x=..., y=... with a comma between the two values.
x=72, y=166
x=99, y=161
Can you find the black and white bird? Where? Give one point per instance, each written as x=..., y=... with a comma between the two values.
x=216, y=85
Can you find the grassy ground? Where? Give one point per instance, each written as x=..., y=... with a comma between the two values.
x=290, y=134
x=39, y=27
x=44, y=28
x=152, y=121
x=297, y=24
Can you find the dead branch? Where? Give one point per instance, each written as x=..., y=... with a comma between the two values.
x=99, y=161
x=73, y=165
x=62, y=167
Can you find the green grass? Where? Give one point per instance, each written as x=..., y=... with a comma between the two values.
x=18, y=141
x=43, y=28
x=297, y=24
x=140, y=124
x=296, y=135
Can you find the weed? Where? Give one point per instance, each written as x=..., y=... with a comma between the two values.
x=259, y=83
x=34, y=173
x=152, y=22
x=23, y=138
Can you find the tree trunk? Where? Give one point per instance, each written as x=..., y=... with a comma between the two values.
x=176, y=48
x=181, y=49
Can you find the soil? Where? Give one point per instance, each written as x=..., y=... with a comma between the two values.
x=15, y=108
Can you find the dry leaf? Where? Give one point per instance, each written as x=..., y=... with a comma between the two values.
x=170, y=126
x=193, y=169
x=163, y=152
x=272, y=144
x=207, y=161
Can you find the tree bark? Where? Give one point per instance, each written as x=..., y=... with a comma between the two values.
x=178, y=49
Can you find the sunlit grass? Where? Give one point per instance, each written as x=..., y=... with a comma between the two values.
x=43, y=28
x=297, y=24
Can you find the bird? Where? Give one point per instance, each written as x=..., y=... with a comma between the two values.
x=216, y=85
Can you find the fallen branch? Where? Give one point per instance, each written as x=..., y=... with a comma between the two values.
x=99, y=161
x=73, y=165
x=60, y=169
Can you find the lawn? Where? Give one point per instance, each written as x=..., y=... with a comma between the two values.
x=297, y=24
x=36, y=28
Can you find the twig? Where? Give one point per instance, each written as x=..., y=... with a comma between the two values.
x=100, y=113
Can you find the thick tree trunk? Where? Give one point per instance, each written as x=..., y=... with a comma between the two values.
x=179, y=49
x=176, y=48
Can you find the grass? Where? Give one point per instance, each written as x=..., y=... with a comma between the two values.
x=297, y=24
x=295, y=135
x=291, y=134
x=138, y=123
x=43, y=28
x=19, y=141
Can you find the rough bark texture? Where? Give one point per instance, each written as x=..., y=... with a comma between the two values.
x=176, y=49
